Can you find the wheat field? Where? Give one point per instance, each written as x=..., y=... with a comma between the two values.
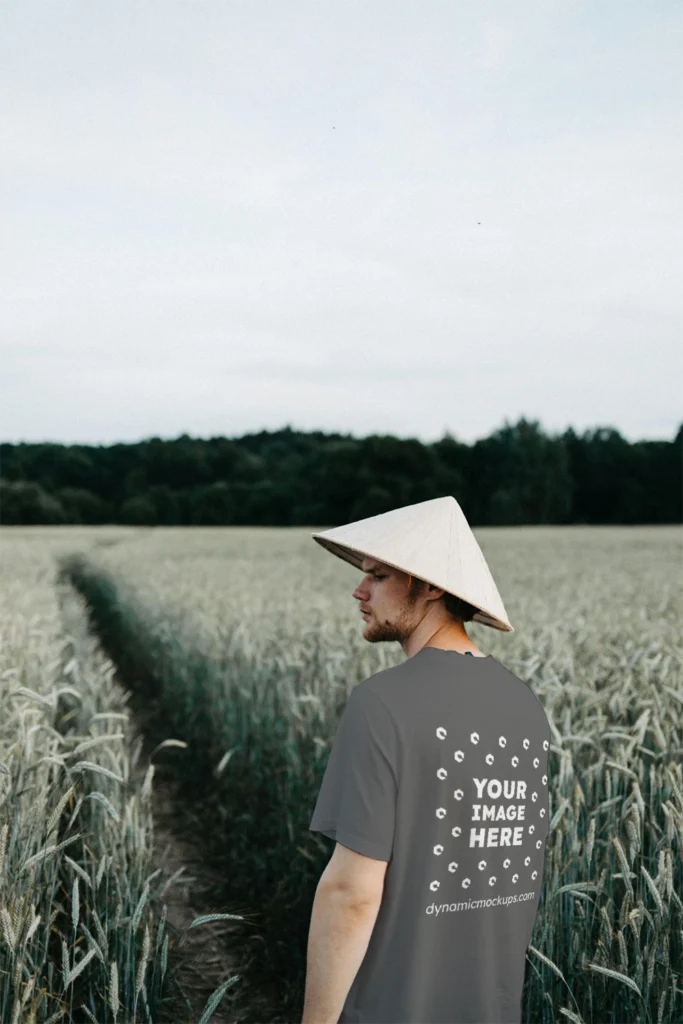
x=243, y=644
x=82, y=917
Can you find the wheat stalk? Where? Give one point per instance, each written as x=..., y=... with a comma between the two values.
x=143, y=961
x=114, y=988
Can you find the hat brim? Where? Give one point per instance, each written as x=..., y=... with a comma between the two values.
x=354, y=556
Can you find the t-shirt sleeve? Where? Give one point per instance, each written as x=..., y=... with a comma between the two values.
x=356, y=804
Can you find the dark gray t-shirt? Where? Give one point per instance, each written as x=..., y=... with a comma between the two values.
x=440, y=766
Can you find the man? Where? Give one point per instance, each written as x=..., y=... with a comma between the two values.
x=435, y=792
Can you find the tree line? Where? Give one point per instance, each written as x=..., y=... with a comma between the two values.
x=517, y=475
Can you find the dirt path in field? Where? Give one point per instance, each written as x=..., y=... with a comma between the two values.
x=198, y=956
x=200, y=959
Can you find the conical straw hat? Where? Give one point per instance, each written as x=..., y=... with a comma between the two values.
x=431, y=540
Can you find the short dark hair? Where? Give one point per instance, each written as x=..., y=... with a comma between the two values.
x=458, y=609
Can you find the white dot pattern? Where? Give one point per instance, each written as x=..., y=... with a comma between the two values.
x=496, y=792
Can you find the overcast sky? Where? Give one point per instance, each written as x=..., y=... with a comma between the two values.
x=405, y=218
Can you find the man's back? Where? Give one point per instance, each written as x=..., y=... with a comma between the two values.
x=439, y=765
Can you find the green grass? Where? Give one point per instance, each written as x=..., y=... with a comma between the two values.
x=78, y=902
x=245, y=643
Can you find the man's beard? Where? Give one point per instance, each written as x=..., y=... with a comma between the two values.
x=398, y=629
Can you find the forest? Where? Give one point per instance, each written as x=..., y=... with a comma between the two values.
x=519, y=475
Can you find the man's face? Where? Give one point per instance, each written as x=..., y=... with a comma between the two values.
x=394, y=612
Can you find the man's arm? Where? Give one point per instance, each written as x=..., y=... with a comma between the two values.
x=345, y=908
x=338, y=939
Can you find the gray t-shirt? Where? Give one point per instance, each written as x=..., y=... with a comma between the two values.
x=440, y=766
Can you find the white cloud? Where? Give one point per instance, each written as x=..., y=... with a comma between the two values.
x=449, y=204
x=495, y=47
